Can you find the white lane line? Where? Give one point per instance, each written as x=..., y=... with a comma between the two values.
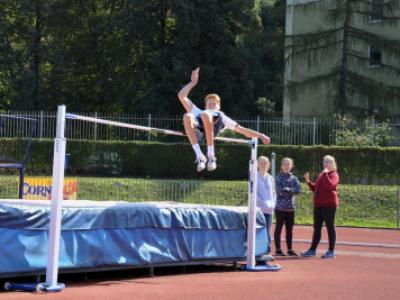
x=347, y=243
x=368, y=254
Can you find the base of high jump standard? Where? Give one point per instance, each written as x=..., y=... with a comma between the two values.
x=251, y=265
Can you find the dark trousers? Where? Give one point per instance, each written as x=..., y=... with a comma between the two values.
x=321, y=215
x=284, y=218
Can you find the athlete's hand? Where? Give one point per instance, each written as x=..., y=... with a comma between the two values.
x=195, y=76
x=265, y=139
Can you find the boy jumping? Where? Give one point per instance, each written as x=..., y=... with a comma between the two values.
x=208, y=122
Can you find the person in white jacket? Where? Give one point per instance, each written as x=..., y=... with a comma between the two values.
x=266, y=194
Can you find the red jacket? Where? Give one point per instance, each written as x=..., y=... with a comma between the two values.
x=325, y=189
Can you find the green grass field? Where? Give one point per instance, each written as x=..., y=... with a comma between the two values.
x=360, y=205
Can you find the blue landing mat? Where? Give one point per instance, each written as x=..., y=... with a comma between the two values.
x=110, y=234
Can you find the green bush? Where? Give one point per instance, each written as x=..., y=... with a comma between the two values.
x=363, y=165
x=363, y=133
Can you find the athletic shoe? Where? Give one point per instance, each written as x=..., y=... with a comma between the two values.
x=201, y=163
x=329, y=254
x=211, y=164
x=309, y=253
x=291, y=252
x=279, y=252
x=267, y=257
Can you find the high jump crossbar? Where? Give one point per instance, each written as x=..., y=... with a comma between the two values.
x=148, y=129
x=18, y=117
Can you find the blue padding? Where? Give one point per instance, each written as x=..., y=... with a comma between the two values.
x=174, y=234
x=94, y=215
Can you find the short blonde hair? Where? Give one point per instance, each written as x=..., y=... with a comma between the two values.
x=263, y=158
x=332, y=159
x=214, y=97
x=289, y=160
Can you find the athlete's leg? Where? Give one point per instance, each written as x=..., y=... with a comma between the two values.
x=208, y=124
x=190, y=124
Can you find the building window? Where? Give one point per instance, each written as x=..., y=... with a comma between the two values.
x=375, y=56
x=376, y=11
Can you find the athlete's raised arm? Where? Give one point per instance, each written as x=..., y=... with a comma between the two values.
x=184, y=92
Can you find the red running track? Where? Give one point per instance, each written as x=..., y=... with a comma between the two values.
x=359, y=272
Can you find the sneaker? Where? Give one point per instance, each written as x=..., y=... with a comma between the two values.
x=211, y=164
x=291, y=252
x=329, y=254
x=201, y=163
x=267, y=257
x=309, y=253
x=279, y=252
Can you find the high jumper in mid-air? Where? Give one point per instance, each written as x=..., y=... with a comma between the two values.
x=209, y=123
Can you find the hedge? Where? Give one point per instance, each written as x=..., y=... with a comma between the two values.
x=160, y=160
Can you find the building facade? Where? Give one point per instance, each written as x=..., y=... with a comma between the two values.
x=342, y=56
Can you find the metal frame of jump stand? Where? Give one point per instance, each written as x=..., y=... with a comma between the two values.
x=252, y=213
x=51, y=284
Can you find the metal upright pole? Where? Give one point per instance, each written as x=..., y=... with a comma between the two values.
x=41, y=124
x=252, y=215
x=252, y=194
x=56, y=205
x=273, y=164
x=149, y=125
x=314, y=131
x=95, y=128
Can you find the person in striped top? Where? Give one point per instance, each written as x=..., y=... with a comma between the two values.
x=287, y=187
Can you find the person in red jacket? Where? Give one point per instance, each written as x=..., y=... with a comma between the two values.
x=325, y=203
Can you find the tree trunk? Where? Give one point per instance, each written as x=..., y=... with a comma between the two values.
x=36, y=56
x=342, y=101
x=163, y=19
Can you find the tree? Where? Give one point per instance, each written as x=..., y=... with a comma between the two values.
x=130, y=56
x=21, y=53
x=100, y=53
x=368, y=133
x=206, y=34
x=264, y=51
x=344, y=31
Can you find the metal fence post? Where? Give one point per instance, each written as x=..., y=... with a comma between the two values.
x=258, y=124
x=373, y=132
x=41, y=125
x=149, y=125
x=95, y=128
x=273, y=164
x=314, y=131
